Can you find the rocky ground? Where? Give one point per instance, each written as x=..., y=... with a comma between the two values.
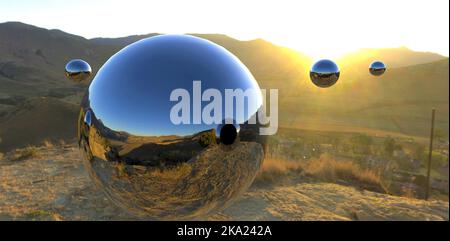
x=52, y=184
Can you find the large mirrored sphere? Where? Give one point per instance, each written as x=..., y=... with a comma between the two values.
x=377, y=68
x=138, y=151
x=78, y=70
x=324, y=73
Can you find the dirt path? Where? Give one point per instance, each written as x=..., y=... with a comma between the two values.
x=55, y=186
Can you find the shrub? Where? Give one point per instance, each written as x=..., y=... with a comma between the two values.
x=389, y=146
x=207, y=138
x=408, y=192
x=24, y=153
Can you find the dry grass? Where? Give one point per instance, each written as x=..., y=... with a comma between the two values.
x=24, y=153
x=280, y=165
x=48, y=144
x=276, y=170
x=409, y=192
x=324, y=168
x=62, y=142
x=1, y=156
x=37, y=213
x=328, y=169
x=172, y=173
x=176, y=172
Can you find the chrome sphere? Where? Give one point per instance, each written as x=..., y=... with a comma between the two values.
x=148, y=164
x=78, y=70
x=324, y=73
x=377, y=68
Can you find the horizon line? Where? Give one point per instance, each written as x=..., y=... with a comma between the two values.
x=228, y=36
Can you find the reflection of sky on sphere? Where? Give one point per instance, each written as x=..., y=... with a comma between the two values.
x=88, y=118
x=377, y=65
x=78, y=65
x=131, y=91
x=325, y=66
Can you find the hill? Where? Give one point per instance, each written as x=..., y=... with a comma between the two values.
x=37, y=120
x=392, y=57
x=400, y=101
x=32, y=59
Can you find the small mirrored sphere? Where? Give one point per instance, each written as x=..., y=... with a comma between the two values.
x=142, y=137
x=78, y=70
x=324, y=73
x=227, y=133
x=87, y=118
x=377, y=68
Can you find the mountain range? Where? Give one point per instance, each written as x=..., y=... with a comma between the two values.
x=33, y=89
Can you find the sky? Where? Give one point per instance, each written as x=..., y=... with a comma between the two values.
x=319, y=28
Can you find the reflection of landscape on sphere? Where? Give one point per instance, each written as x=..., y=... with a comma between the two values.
x=148, y=165
x=377, y=68
x=324, y=73
x=78, y=70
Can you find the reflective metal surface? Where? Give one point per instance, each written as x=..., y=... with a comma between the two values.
x=377, y=68
x=78, y=70
x=324, y=73
x=227, y=133
x=87, y=118
x=155, y=169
